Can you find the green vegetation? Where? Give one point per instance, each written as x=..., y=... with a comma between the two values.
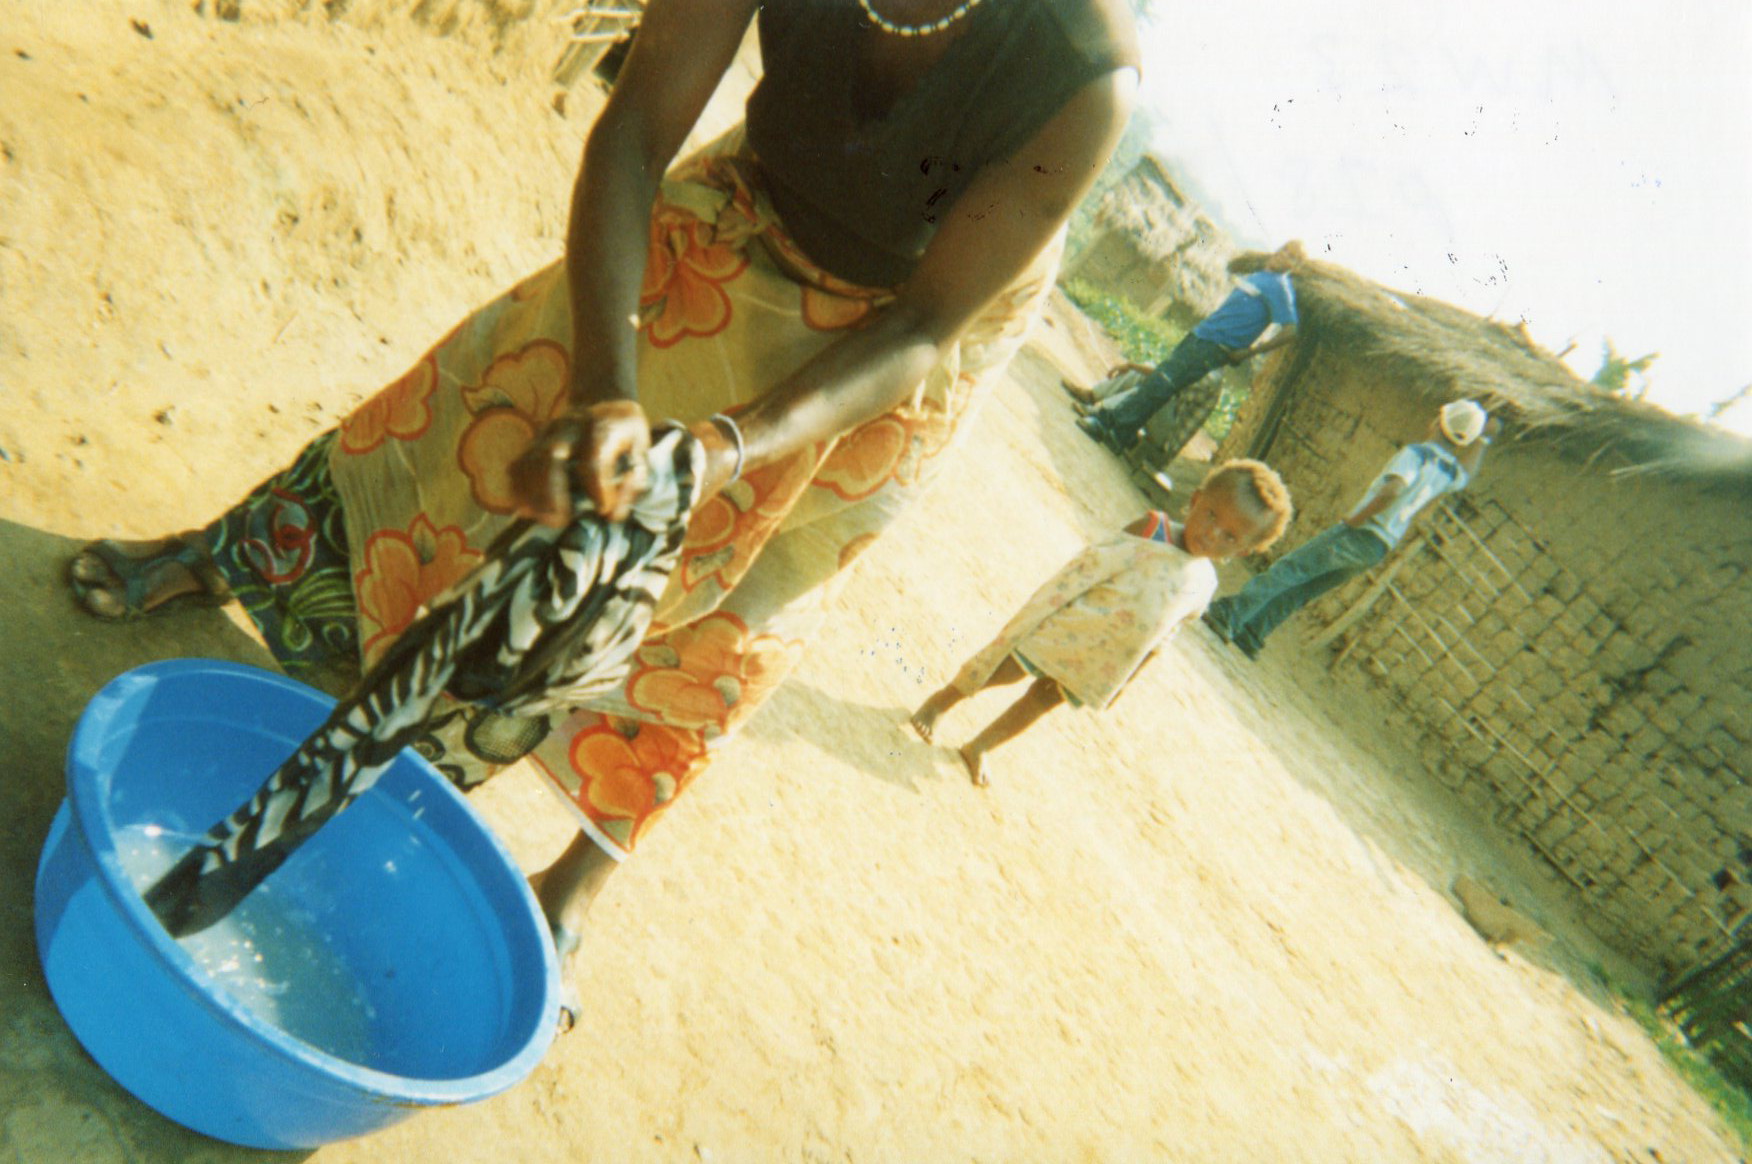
x=1702, y=1076
x=1715, y=411
x=1144, y=339
x=1147, y=339
x=1623, y=376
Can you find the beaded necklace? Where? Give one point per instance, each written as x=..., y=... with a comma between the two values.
x=887, y=25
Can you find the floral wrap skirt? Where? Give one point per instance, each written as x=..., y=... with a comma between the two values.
x=335, y=556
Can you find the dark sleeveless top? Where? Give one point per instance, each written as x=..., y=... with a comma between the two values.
x=862, y=198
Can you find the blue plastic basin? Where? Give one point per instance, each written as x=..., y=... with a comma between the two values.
x=422, y=905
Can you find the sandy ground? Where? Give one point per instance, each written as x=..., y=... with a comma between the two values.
x=1207, y=926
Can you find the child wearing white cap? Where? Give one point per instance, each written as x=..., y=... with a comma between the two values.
x=1417, y=475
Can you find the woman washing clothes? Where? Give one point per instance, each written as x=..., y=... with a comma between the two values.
x=823, y=296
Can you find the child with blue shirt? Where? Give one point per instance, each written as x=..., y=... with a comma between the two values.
x=1416, y=476
x=1261, y=299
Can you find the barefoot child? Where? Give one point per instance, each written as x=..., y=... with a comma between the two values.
x=1094, y=624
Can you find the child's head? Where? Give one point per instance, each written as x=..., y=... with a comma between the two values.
x=1241, y=507
x=1460, y=422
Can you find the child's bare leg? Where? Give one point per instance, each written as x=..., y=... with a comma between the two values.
x=1041, y=697
x=924, y=720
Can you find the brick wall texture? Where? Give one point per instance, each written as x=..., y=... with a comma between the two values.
x=1571, y=642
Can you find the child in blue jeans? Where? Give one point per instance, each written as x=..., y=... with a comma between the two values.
x=1264, y=297
x=1416, y=476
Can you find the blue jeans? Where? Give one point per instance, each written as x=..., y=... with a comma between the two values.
x=1329, y=559
x=1192, y=359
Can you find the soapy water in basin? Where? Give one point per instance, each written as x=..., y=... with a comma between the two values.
x=268, y=954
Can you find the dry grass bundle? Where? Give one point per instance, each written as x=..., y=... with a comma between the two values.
x=1446, y=353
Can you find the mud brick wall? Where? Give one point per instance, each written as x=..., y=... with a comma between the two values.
x=1111, y=263
x=1572, y=645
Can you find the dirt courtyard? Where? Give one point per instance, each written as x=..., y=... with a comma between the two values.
x=1210, y=925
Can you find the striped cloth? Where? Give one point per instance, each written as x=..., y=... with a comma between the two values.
x=550, y=619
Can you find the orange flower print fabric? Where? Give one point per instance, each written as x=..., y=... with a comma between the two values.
x=635, y=770
x=403, y=411
x=891, y=448
x=730, y=528
x=828, y=303
x=691, y=686
x=729, y=309
x=518, y=395
x=709, y=674
x=683, y=293
x=403, y=571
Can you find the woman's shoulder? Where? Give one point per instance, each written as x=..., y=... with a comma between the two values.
x=1098, y=30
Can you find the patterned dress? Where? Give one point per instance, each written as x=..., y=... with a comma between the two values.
x=1092, y=624
x=334, y=557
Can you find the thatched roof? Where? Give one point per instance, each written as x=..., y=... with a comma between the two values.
x=1447, y=353
x=1171, y=231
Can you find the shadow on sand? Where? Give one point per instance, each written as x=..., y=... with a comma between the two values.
x=872, y=738
x=53, y=659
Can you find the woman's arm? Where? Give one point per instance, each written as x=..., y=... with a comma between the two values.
x=1006, y=216
x=1000, y=224
x=1285, y=336
x=679, y=56
x=1390, y=488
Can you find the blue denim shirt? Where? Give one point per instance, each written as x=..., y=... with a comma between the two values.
x=1428, y=470
x=1262, y=299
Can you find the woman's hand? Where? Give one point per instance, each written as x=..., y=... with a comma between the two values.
x=603, y=449
x=600, y=448
x=721, y=456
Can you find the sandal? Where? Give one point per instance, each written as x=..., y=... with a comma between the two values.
x=1096, y=430
x=130, y=577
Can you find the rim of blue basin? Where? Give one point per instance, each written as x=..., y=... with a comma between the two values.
x=97, y=827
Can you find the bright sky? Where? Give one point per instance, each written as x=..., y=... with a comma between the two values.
x=1586, y=167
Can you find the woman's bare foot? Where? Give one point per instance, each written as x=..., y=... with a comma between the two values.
x=565, y=891
x=923, y=722
x=123, y=580
x=566, y=944
x=975, y=761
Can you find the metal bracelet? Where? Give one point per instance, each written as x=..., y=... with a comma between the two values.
x=731, y=429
